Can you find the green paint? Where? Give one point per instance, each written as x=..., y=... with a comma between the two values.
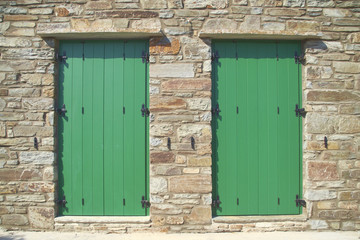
x=256, y=150
x=102, y=151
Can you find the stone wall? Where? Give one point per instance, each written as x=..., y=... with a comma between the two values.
x=180, y=33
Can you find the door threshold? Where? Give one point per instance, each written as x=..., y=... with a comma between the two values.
x=255, y=219
x=104, y=219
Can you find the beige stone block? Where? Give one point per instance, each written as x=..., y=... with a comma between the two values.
x=174, y=220
x=161, y=130
x=20, y=18
x=324, y=171
x=191, y=170
x=161, y=104
x=250, y=23
x=321, y=3
x=98, y=5
x=154, y=24
x=39, y=187
x=178, y=84
x=41, y=11
x=149, y=4
x=220, y=24
x=303, y=26
x=199, y=161
x=346, y=67
x=121, y=23
x=14, y=220
x=164, y=45
x=332, y=96
x=199, y=215
x=202, y=4
x=48, y=28
x=26, y=32
x=190, y=184
x=41, y=217
x=349, y=124
x=326, y=205
x=172, y=70
x=285, y=12
x=199, y=131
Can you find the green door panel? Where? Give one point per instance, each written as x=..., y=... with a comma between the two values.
x=102, y=137
x=256, y=137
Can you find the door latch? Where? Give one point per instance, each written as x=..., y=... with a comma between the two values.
x=61, y=111
x=300, y=202
x=62, y=202
x=61, y=58
x=299, y=111
x=216, y=202
x=216, y=110
x=144, y=111
x=144, y=203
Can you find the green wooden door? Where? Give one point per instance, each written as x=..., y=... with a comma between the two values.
x=256, y=135
x=102, y=137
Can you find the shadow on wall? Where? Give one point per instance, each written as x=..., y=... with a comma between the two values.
x=12, y=237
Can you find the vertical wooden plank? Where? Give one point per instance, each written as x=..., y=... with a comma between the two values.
x=139, y=128
x=88, y=129
x=64, y=128
x=76, y=106
x=98, y=129
x=118, y=129
x=242, y=123
x=108, y=128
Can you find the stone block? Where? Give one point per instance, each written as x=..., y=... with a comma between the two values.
x=48, y=28
x=179, y=84
x=294, y=3
x=14, y=220
x=126, y=14
x=202, y=4
x=40, y=187
x=321, y=3
x=190, y=184
x=332, y=96
x=324, y=171
x=197, y=51
x=346, y=22
x=14, y=42
x=161, y=130
x=20, y=18
x=164, y=45
x=162, y=157
x=346, y=67
x=199, y=162
x=174, y=220
x=166, y=209
x=36, y=157
x=41, y=217
x=303, y=26
x=199, y=215
x=200, y=131
x=25, y=32
x=333, y=12
x=220, y=25
x=166, y=14
x=240, y=2
x=161, y=104
x=121, y=23
x=98, y=5
x=203, y=104
x=250, y=23
x=149, y=4
x=319, y=195
x=41, y=11
x=38, y=103
x=349, y=124
x=8, y=189
x=172, y=70
x=152, y=24
x=26, y=198
x=15, y=10
x=273, y=26
x=318, y=224
x=158, y=185
x=24, y=92
x=167, y=170
x=285, y=12
x=176, y=31
x=27, y=2
x=191, y=13
x=31, y=174
x=319, y=123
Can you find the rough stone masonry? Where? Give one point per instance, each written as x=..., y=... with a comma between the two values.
x=180, y=34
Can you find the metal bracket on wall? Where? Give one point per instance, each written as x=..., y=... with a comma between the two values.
x=61, y=58
x=216, y=202
x=144, y=111
x=215, y=56
x=62, y=202
x=299, y=111
x=300, y=202
x=299, y=58
x=145, y=57
x=144, y=203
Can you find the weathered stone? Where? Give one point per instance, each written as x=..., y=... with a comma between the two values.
x=46, y=28
x=321, y=3
x=318, y=224
x=166, y=209
x=175, y=31
x=164, y=45
x=199, y=85
x=23, y=24
x=24, y=92
x=332, y=96
x=161, y=130
x=61, y=12
x=319, y=123
x=174, y=220
x=127, y=5
x=96, y=5
x=126, y=14
x=197, y=51
x=349, y=109
x=190, y=184
x=41, y=11
x=203, y=104
x=11, y=116
x=191, y=170
x=31, y=174
x=166, y=14
x=36, y=157
x=200, y=131
x=250, y=23
x=346, y=67
x=166, y=104
x=167, y=170
x=285, y=12
x=20, y=18
x=273, y=26
x=179, y=70
x=319, y=195
x=199, y=215
x=326, y=205
x=201, y=4
x=149, y=4
x=220, y=24
x=349, y=124
x=162, y=157
x=323, y=171
x=175, y=4
x=15, y=10
x=294, y=3
x=121, y=23
x=199, y=162
x=191, y=13
x=26, y=32
x=14, y=220
x=330, y=12
x=240, y=2
x=38, y=103
x=158, y=185
x=146, y=24
x=26, y=198
x=10, y=174
x=27, y=2
x=41, y=217
x=346, y=22
x=305, y=26
x=7, y=189
x=158, y=220
x=41, y=187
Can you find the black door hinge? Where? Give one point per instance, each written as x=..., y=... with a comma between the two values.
x=215, y=56
x=61, y=202
x=144, y=111
x=144, y=203
x=216, y=110
x=145, y=57
x=299, y=111
x=61, y=58
x=61, y=111
x=300, y=202
x=299, y=58
x=216, y=202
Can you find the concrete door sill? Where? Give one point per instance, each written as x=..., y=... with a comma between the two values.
x=104, y=219
x=254, y=219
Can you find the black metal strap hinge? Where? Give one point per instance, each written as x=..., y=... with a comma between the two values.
x=61, y=58
x=145, y=57
x=299, y=58
x=216, y=202
x=215, y=56
x=299, y=111
x=144, y=203
x=216, y=110
x=144, y=111
x=61, y=111
x=61, y=202
x=300, y=202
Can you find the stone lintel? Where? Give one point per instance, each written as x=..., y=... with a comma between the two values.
x=103, y=219
x=273, y=35
x=254, y=219
x=102, y=35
